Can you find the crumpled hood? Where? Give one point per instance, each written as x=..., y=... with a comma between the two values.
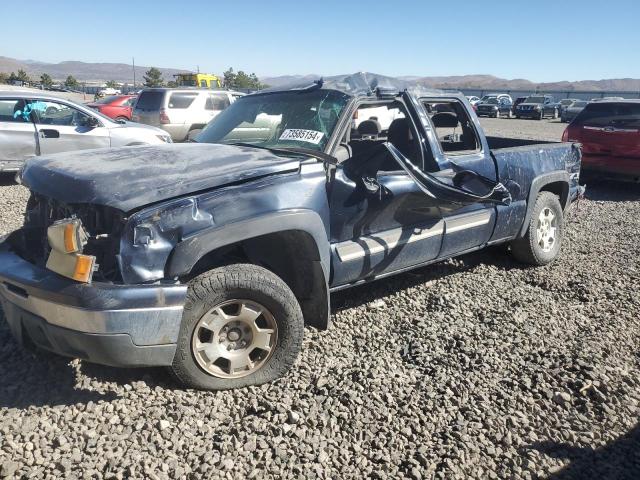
x=130, y=177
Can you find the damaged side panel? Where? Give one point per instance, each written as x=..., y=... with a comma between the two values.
x=195, y=226
x=555, y=164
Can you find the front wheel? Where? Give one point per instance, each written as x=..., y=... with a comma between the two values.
x=241, y=326
x=541, y=243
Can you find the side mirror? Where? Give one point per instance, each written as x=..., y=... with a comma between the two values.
x=93, y=122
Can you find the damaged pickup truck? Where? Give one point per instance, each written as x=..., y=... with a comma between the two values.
x=211, y=257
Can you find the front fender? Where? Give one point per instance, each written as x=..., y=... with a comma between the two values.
x=189, y=251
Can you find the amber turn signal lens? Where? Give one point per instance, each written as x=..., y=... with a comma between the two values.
x=70, y=238
x=84, y=268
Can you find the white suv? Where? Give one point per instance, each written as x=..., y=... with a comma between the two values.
x=182, y=112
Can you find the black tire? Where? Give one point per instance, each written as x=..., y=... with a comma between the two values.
x=251, y=283
x=527, y=249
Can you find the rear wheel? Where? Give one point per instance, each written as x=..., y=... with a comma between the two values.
x=542, y=241
x=241, y=326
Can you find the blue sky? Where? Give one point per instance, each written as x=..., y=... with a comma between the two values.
x=541, y=40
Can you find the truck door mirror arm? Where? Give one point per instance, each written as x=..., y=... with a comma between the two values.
x=456, y=193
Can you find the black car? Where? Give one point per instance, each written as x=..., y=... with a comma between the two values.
x=517, y=102
x=495, y=107
x=538, y=107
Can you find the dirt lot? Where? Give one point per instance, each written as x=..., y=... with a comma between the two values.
x=475, y=368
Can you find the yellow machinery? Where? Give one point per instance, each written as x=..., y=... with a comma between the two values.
x=203, y=80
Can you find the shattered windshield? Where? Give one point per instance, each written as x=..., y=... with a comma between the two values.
x=303, y=119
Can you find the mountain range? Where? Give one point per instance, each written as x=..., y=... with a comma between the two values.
x=123, y=73
x=82, y=71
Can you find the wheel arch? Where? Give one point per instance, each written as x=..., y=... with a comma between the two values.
x=556, y=182
x=292, y=244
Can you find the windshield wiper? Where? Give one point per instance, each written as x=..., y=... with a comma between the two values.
x=291, y=150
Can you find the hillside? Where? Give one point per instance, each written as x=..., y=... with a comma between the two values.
x=122, y=72
x=82, y=71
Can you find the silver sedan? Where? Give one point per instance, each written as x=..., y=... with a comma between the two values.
x=33, y=124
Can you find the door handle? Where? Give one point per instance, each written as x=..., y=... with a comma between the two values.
x=49, y=133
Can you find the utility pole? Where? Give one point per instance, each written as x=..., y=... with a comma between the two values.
x=133, y=63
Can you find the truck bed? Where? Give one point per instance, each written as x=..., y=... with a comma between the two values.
x=496, y=143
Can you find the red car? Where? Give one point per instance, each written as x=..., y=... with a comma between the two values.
x=118, y=107
x=610, y=136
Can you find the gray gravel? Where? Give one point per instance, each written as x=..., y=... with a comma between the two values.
x=475, y=368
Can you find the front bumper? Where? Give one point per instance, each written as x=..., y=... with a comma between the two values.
x=7, y=166
x=528, y=113
x=606, y=166
x=117, y=325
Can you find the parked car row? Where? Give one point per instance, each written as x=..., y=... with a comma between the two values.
x=536, y=107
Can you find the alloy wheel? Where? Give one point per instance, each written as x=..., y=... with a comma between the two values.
x=234, y=339
x=546, y=229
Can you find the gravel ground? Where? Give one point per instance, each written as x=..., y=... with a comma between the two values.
x=474, y=368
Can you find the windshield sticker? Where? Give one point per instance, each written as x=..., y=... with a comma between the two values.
x=309, y=136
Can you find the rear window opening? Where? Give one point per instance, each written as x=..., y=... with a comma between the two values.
x=150, y=100
x=610, y=115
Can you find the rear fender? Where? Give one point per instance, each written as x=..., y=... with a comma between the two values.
x=560, y=181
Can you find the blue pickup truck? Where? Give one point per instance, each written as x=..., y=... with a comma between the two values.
x=211, y=257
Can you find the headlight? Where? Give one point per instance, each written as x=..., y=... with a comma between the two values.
x=67, y=238
x=537, y=107
x=495, y=108
x=165, y=138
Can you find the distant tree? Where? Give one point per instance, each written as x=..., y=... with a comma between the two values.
x=153, y=78
x=242, y=80
x=111, y=84
x=229, y=78
x=23, y=77
x=46, y=80
x=172, y=84
x=4, y=78
x=71, y=83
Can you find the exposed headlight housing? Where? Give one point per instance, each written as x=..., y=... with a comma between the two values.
x=67, y=238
